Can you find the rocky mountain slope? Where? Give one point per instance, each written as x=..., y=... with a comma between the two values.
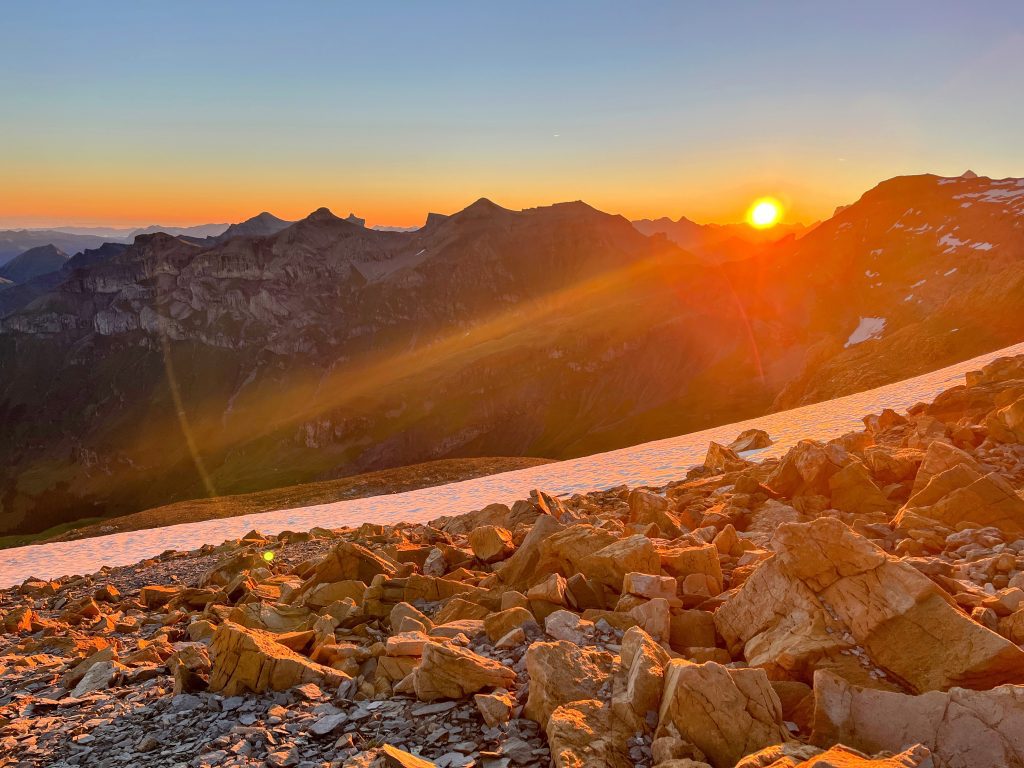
x=180, y=367
x=856, y=603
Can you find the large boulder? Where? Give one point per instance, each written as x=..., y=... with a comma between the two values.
x=963, y=496
x=448, y=672
x=962, y=728
x=795, y=755
x=580, y=736
x=638, y=682
x=560, y=673
x=252, y=660
x=347, y=562
x=725, y=713
x=610, y=564
x=830, y=599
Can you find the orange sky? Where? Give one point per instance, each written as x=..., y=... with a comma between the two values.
x=148, y=113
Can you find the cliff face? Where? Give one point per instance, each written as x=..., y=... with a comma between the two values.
x=178, y=367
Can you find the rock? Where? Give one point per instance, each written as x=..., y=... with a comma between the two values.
x=609, y=565
x=637, y=683
x=19, y=619
x=988, y=500
x=491, y=543
x=406, y=644
x=520, y=570
x=347, y=562
x=190, y=667
x=1007, y=424
x=495, y=708
x=251, y=660
x=720, y=459
x=157, y=596
x=579, y=737
x=497, y=625
x=99, y=676
x=684, y=561
x=806, y=469
x=979, y=729
x=568, y=626
x=446, y=672
x=831, y=599
x=794, y=755
x=560, y=673
x=646, y=585
x=551, y=590
x=725, y=713
x=853, y=490
x=646, y=508
x=750, y=440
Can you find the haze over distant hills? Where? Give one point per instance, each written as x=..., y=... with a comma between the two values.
x=320, y=348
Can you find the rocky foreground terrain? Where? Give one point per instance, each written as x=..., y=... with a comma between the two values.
x=854, y=603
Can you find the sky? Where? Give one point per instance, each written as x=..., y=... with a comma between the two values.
x=190, y=112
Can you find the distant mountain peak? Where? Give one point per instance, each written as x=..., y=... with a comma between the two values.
x=968, y=174
x=34, y=262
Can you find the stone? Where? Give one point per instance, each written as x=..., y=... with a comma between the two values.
x=649, y=586
x=610, y=564
x=579, y=737
x=683, y=561
x=646, y=508
x=406, y=644
x=720, y=459
x=347, y=562
x=250, y=660
x=725, y=713
x=568, y=626
x=157, y=596
x=988, y=500
x=521, y=569
x=446, y=672
x=853, y=490
x=495, y=708
x=551, y=590
x=497, y=625
x=491, y=543
x=562, y=672
x=961, y=728
x=99, y=676
x=830, y=599
x=750, y=440
x=638, y=683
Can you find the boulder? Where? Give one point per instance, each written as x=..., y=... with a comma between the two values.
x=491, y=543
x=725, y=713
x=1007, y=424
x=853, y=490
x=347, y=562
x=750, y=440
x=720, y=459
x=610, y=564
x=830, y=599
x=520, y=570
x=638, y=682
x=795, y=755
x=251, y=660
x=447, y=672
x=646, y=508
x=579, y=736
x=560, y=673
x=959, y=496
x=807, y=468
x=961, y=728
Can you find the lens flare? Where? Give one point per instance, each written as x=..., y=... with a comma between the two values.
x=764, y=213
x=268, y=556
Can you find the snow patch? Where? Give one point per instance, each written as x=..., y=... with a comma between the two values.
x=950, y=272
x=868, y=328
x=919, y=283
x=981, y=246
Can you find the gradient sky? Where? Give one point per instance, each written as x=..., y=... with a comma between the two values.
x=180, y=113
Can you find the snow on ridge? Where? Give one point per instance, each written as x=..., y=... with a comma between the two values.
x=867, y=328
x=650, y=464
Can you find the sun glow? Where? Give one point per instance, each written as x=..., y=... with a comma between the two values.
x=765, y=212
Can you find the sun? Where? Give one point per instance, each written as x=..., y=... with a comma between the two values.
x=764, y=213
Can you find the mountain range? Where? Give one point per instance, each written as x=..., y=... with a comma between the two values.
x=279, y=352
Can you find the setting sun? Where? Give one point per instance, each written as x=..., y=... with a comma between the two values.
x=764, y=213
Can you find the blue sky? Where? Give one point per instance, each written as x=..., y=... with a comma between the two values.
x=183, y=112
